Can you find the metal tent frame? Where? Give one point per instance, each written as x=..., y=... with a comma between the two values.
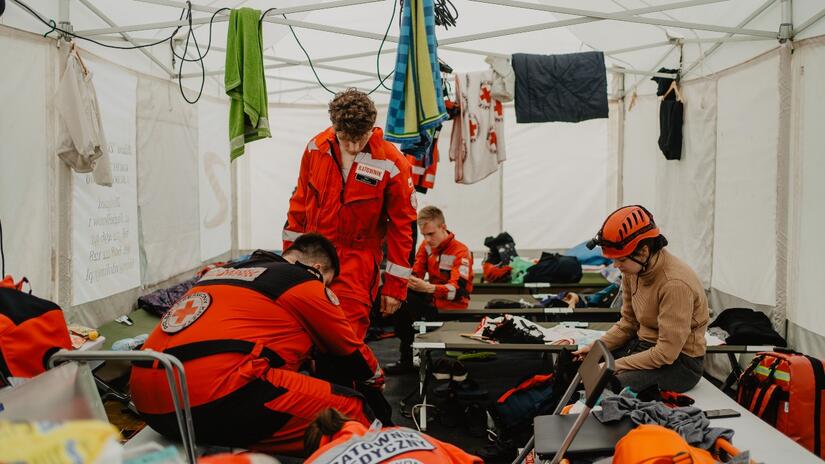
x=739, y=33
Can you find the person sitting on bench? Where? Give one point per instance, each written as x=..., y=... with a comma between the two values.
x=660, y=338
x=449, y=266
x=243, y=333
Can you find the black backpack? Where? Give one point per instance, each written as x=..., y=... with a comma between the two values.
x=555, y=268
x=502, y=249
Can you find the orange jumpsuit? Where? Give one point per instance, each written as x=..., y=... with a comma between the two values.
x=376, y=202
x=450, y=268
x=242, y=333
x=356, y=443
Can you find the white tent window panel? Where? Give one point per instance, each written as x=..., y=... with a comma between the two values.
x=808, y=229
x=104, y=219
x=473, y=211
x=641, y=152
x=25, y=161
x=273, y=167
x=167, y=139
x=214, y=179
x=744, y=261
x=555, y=182
x=683, y=206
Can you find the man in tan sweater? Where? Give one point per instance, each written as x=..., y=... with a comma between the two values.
x=660, y=339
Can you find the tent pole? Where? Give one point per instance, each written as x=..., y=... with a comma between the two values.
x=620, y=141
x=810, y=22
x=63, y=274
x=126, y=36
x=779, y=317
x=631, y=18
x=716, y=46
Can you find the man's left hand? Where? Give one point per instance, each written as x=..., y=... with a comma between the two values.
x=389, y=305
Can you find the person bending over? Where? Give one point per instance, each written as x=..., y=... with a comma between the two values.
x=243, y=332
x=660, y=338
x=448, y=264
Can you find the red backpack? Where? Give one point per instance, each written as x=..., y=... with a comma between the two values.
x=31, y=330
x=786, y=389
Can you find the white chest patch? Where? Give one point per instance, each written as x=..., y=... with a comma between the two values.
x=369, y=172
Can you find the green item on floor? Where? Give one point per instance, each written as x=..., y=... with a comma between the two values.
x=477, y=356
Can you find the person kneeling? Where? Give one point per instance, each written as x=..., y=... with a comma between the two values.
x=449, y=266
x=243, y=332
x=660, y=338
x=336, y=438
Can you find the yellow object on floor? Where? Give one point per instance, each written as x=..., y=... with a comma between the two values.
x=41, y=442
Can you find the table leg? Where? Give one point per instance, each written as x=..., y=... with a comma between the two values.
x=424, y=356
x=735, y=372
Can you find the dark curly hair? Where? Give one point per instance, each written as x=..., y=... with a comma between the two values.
x=353, y=113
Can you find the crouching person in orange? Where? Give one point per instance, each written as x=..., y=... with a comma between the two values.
x=243, y=332
x=339, y=439
x=448, y=264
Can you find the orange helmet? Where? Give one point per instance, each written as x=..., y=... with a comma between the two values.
x=623, y=230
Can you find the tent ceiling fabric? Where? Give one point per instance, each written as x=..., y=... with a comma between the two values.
x=475, y=17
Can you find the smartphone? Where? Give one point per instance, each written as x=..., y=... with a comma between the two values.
x=721, y=413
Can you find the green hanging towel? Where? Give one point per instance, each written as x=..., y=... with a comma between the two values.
x=244, y=81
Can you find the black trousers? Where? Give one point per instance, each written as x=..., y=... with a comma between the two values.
x=680, y=376
x=418, y=306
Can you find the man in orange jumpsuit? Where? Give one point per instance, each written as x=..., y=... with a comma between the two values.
x=355, y=188
x=448, y=264
x=243, y=332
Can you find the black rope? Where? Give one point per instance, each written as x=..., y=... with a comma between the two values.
x=190, y=35
x=446, y=13
x=381, y=80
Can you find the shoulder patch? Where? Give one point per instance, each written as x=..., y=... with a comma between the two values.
x=185, y=312
x=332, y=297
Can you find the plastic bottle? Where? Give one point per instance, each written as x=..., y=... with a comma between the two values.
x=128, y=344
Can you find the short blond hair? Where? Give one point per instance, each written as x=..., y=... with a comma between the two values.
x=430, y=214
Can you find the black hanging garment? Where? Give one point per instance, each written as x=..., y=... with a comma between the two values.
x=671, y=118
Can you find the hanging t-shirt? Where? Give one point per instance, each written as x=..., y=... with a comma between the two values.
x=81, y=141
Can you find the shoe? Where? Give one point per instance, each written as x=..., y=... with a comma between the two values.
x=399, y=368
x=498, y=451
x=449, y=369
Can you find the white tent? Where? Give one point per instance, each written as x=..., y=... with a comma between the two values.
x=742, y=206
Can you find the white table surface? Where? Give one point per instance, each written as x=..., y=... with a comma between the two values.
x=765, y=443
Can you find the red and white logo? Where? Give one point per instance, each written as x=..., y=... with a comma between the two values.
x=185, y=312
x=485, y=95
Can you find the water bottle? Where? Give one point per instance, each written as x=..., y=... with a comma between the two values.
x=128, y=344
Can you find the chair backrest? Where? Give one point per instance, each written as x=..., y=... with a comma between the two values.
x=67, y=392
x=596, y=371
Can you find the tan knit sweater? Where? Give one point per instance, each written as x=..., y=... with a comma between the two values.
x=666, y=306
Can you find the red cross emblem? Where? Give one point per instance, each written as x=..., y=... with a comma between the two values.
x=185, y=312
x=485, y=93
x=498, y=108
x=188, y=310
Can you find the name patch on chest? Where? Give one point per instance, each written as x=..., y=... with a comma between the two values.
x=368, y=174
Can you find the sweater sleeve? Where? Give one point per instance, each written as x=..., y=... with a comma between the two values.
x=675, y=313
x=628, y=325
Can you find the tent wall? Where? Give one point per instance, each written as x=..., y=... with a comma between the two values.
x=87, y=247
x=26, y=207
x=744, y=262
x=806, y=272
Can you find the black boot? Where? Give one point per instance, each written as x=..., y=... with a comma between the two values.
x=404, y=366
